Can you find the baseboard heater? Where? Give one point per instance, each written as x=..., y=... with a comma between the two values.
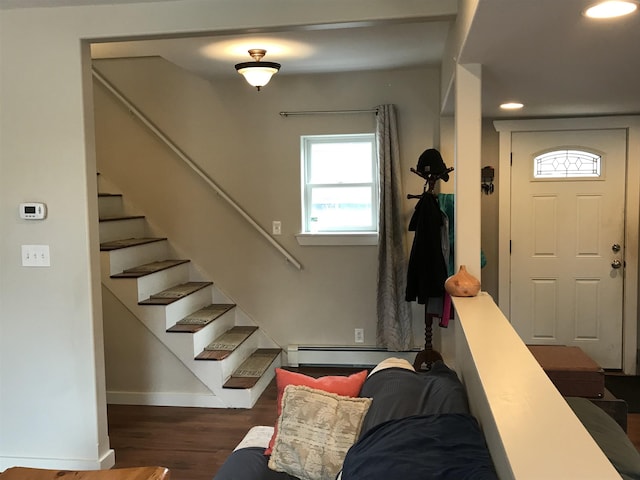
x=352, y=356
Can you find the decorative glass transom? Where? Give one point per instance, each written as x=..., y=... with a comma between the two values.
x=567, y=164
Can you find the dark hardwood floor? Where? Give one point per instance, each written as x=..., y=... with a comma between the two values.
x=194, y=442
x=633, y=429
x=191, y=442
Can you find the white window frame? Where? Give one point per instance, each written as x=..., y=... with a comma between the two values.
x=355, y=236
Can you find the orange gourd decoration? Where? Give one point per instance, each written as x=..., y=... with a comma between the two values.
x=462, y=284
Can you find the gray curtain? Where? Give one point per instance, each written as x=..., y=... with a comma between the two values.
x=394, y=329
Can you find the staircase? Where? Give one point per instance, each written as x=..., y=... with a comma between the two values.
x=191, y=317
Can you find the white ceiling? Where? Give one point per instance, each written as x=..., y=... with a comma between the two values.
x=553, y=59
x=543, y=53
x=322, y=49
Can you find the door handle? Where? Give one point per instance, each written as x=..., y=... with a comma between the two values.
x=616, y=264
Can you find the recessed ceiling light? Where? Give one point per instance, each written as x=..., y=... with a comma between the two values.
x=511, y=106
x=611, y=9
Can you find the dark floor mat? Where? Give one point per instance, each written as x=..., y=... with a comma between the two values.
x=625, y=387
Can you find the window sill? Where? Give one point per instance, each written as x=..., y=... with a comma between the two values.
x=351, y=238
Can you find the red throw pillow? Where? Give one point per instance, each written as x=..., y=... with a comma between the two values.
x=340, y=385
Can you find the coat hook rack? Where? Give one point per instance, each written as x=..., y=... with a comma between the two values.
x=431, y=168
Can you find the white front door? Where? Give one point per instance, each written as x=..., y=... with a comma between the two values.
x=567, y=240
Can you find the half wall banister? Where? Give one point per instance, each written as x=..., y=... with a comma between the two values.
x=185, y=158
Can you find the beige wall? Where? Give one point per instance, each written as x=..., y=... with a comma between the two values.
x=236, y=135
x=489, y=203
x=489, y=238
x=52, y=399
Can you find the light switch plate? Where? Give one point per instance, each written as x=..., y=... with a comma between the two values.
x=35, y=256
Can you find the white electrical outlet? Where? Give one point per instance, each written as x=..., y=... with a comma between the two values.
x=35, y=256
x=359, y=335
x=276, y=227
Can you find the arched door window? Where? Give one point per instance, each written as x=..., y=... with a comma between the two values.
x=567, y=163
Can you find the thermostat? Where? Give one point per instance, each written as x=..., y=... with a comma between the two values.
x=33, y=211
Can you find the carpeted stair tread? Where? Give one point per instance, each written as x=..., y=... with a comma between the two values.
x=148, y=268
x=113, y=218
x=174, y=293
x=127, y=242
x=225, y=344
x=250, y=371
x=201, y=318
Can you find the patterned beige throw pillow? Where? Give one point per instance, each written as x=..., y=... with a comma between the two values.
x=315, y=431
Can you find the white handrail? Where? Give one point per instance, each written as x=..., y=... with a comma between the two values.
x=184, y=157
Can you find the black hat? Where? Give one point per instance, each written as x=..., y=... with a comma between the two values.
x=431, y=163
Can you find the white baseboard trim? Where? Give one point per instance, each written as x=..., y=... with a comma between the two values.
x=352, y=356
x=164, y=399
x=104, y=463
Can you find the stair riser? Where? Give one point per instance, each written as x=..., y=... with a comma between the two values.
x=248, y=398
x=119, y=229
x=157, y=317
x=152, y=316
x=178, y=310
x=210, y=373
x=214, y=373
x=110, y=206
x=158, y=281
x=115, y=261
x=239, y=355
x=208, y=334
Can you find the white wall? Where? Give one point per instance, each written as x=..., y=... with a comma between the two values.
x=52, y=408
x=489, y=203
x=138, y=366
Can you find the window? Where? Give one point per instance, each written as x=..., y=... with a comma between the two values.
x=339, y=183
x=567, y=164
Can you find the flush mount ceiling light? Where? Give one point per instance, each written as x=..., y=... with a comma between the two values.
x=257, y=73
x=611, y=9
x=511, y=106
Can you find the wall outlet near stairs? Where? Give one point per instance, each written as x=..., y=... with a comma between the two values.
x=359, y=335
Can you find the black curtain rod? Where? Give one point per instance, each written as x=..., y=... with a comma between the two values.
x=328, y=112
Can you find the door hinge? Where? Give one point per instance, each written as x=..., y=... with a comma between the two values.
x=509, y=247
x=511, y=159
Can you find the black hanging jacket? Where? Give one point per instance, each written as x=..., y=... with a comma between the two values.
x=427, y=270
